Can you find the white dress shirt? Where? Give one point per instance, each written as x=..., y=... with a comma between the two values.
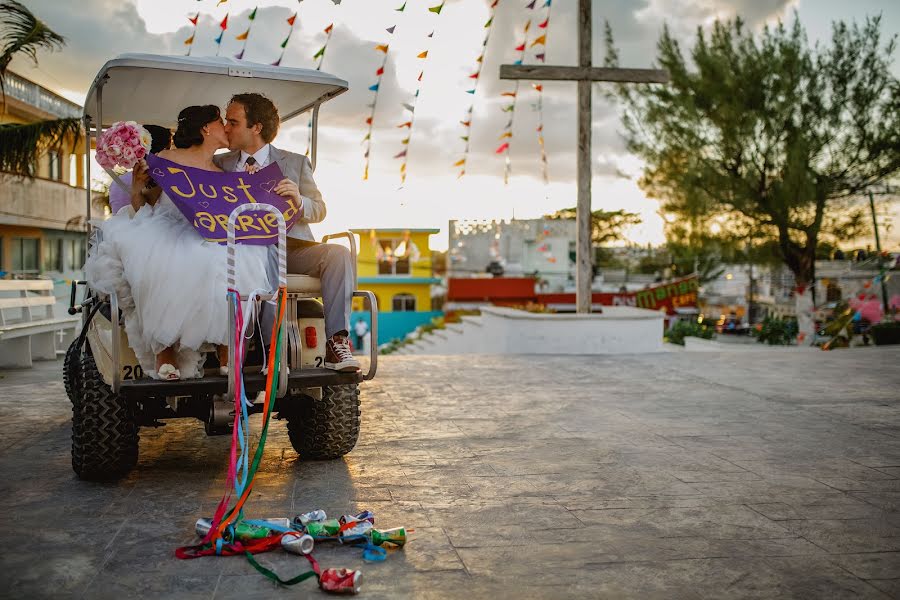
x=261, y=156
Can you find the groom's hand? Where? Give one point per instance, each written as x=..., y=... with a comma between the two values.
x=288, y=189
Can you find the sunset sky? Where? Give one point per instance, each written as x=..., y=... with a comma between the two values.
x=98, y=30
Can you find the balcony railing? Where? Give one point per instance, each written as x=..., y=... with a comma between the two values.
x=40, y=97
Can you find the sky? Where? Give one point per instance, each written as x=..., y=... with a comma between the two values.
x=98, y=30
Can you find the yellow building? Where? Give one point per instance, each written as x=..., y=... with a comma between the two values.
x=42, y=220
x=395, y=264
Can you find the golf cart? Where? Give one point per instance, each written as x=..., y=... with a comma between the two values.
x=111, y=396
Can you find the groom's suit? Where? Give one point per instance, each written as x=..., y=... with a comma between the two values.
x=329, y=262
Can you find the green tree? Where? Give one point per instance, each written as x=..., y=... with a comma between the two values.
x=607, y=226
x=21, y=144
x=766, y=136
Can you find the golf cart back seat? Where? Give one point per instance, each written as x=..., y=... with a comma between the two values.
x=304, y=284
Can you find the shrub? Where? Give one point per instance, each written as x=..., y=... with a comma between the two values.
x=682, y=329
x=776, y=332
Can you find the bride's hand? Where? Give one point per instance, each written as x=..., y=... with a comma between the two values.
x=140, y=175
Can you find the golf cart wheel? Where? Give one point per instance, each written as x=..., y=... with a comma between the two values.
x=71, y=368
x=104, y=432
x=328, y=428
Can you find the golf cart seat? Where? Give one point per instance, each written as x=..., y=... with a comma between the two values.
x=304, y=284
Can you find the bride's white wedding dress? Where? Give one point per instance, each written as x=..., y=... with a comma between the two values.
x=171, y=283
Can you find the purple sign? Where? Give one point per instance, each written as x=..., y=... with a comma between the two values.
x=206, y=198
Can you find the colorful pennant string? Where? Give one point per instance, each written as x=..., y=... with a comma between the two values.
x=541, y=57
x=243, y=37
x=411, y=106
x=511, y=108
x=319, y=56
x=290, y=21
x=379, y=74
x=190, y=41
x=467, y=123
x=224, y=27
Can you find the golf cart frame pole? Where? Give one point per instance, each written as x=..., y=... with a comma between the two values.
x=282, y=283
x=315, y=136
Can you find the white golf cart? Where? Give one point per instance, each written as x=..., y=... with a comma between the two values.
x=111, y=397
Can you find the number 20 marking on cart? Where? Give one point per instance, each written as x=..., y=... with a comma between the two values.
x=135, y=372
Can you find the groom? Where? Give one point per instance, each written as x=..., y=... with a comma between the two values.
x=251, y=123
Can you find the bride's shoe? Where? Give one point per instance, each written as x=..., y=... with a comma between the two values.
x=168, y=372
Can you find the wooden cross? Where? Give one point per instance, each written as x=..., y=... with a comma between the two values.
x=584, y=74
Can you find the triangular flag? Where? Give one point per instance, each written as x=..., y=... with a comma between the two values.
x=382, y=48
x=540, y=128
x=531, y=4
x=460, y=162
x=496, y=2
x=221, y=2
x=545, y=23
x=252, y=15
x=400, y=154
x=474, y=75
x=517, y=62
x=461, y=173
x=366, y=156
x=480, y=58
x=391, y=29
x=419, y=78
x=404, y=141
x=368, y=137
x=489, y=21
x=403, y=167
x=402, y=179
x=541, y=40
x=380, y=71
x=506, y=135
x=224, y=24
x=437, y=9
x=329, y=28
x=292, y=19
x=189, y=41
x=472, y=91
x=366, y=173
x=431, y=35
x=466, y=123
x=244, y=35
x=520, y=47
x=502, y=147
x=194, y=20
x=286, y=40
x=369, y=121
x=321, y=52
x=538, y=87
x=509, y=108
x=374, y=88
x=417, y=93
x=407, y=124
x=527, y=25
x=546, y=4
x=540, y=56
x=423, y=54
x=541, y=140
x=409, y=107
x=464, y=138
x=239, y=55
x=509, y=94
x=219, y=39
x=277, y=62
x=402, y=8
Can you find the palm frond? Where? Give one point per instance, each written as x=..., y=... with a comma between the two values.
x=22, y=32
x=22, y=144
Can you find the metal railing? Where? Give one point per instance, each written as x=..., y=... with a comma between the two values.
x=40, y=97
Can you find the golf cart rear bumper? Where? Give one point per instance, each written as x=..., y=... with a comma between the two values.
x=218, y=384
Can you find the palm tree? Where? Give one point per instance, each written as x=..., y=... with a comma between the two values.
x=21, y=145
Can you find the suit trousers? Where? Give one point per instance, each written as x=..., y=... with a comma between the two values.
x=330, y=263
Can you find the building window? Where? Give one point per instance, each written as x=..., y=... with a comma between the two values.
x=76, y=253
x=53, y=250
x=56, y=171
x=25, y=254
x=394, y=256
x=404, y=303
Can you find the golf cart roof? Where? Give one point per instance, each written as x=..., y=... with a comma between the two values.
x=150, y=88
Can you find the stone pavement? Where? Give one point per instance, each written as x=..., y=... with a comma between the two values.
x=734, y=475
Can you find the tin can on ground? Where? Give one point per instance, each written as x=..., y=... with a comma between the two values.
x=366, y=515
x=341, y=581
x=310, y=517
x=297, y=543
x=244, y=531
x=396, y=536
x=326, y=528
x=360, y=528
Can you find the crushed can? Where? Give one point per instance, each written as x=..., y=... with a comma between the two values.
x=244, y=531
x=340, y=581
x=326, y=528
x=358, y=530
x=313, y=516
x=297, y=543
x=395, y=536
x=366, y=515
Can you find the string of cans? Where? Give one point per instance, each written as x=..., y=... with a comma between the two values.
x=467, y=120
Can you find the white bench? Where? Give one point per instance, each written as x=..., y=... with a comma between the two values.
x=28, y=329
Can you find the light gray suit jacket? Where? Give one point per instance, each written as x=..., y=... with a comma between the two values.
x=298, y=169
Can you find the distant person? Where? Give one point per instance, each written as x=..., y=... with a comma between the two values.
x=360, y=328
x=119, y=197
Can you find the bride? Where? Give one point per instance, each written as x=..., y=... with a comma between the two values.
x=169, y=280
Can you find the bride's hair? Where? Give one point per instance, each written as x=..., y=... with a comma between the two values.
x=191, y=122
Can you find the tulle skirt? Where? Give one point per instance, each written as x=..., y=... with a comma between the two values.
x=171, y=283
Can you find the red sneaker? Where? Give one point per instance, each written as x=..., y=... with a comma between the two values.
x=338, y=356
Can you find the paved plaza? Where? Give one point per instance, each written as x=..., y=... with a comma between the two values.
x=769, y=474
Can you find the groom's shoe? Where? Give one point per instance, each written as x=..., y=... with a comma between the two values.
x=338, y=356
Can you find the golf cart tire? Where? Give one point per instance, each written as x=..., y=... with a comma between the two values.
x=328, y=428
x=71, y=368
x=104, y=432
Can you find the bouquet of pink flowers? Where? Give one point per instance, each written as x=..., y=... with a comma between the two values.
x=122, y=145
